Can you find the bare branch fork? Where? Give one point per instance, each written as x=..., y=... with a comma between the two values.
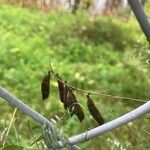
x=25, y=108
x=30, y=112
x=143, y=109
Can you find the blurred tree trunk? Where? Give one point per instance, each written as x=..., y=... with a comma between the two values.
x=75, y=6
x=102, y=6
x=98, y=7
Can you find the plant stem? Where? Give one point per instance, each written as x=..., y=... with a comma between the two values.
x=10, y=124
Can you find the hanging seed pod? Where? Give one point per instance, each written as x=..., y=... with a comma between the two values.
x=77, y=110
x=45, y=86
x=66, y=89
x=94, y=111
x=73, y=105
x=60, y=88
x=71, y=99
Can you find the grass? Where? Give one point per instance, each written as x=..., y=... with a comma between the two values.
x=105, y=55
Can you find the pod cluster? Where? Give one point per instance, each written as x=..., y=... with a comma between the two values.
x=69, y=100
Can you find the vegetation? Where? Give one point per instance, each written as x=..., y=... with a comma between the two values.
x=107, y=55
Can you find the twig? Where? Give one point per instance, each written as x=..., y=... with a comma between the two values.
x=25, y=108
x=99, y=94
x=146, y=132
x=10, y=124
x=145, y=108
x=2, y=135
x=139, y=13
x=52, y=71
x=28, y=111
x=136, y=113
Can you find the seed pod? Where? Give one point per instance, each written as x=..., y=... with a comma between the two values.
x=45, y=86
x=94, y=111
x=73, y=105
x=71, y=99
x=66, y=88
x=77, y=110
x=60, y=88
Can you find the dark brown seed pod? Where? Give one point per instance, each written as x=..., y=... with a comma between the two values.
x=66, y=89
x=60, y=88
x=71, y=99
x=94, y=111
x=45, y=86
x=73, y=105
x=77, y=110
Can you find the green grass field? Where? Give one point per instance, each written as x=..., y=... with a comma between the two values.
x=106, y=55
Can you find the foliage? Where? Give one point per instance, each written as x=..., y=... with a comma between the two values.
x=105, y=55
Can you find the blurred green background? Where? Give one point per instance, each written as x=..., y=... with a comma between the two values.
x=106, y=55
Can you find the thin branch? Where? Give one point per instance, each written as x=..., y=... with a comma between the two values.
x=2, y=135
x=25, y=109
x=146, y=132
x=29, y=111
x=145, y=108
x=99, y=94
x=139, y=13
x=10, y=124
x=138, y=112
